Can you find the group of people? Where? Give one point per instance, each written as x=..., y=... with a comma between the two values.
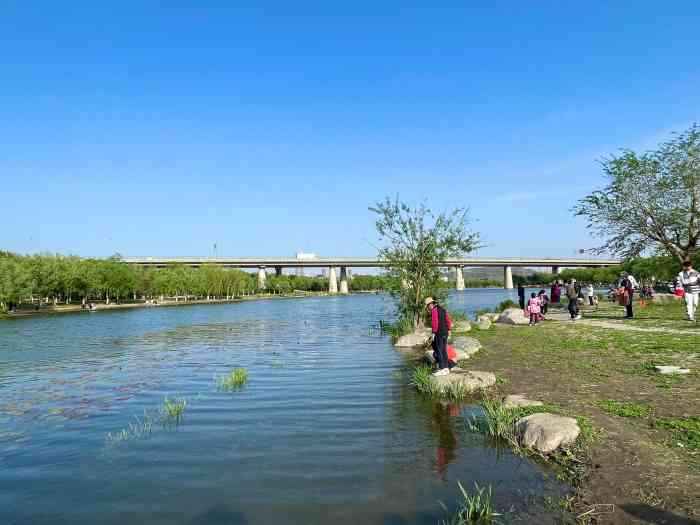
x=687, y=283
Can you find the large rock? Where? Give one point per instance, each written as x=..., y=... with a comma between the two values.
x=519, y=400
x=513, y=316
x=546, y=432
x=461, y=326
x=465, y=347
x=416, y=339
x=484, y=323
x=469, y=380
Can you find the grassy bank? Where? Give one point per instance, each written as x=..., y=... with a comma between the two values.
x=646, y=457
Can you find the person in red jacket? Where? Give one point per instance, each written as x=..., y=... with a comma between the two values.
x=441, y=325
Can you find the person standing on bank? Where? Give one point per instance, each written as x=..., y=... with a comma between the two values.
x=627, y=296
x=572, y=294
x=689, y=282
x=521, y=296
x=441, y=324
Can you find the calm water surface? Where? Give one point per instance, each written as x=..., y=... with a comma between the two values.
x=327, y=430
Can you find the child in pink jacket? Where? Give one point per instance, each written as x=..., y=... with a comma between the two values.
x=533, y=308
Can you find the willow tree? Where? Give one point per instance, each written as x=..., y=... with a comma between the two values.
x=651, y=202
x=416, y=242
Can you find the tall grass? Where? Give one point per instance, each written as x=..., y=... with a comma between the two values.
x=234, y=380
x=421, y=380
x=398, y=328
x=473, y=508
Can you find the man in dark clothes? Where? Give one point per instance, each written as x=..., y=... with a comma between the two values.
x=521, y=296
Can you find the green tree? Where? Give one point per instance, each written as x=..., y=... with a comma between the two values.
x=416, y=241
x=652, y=200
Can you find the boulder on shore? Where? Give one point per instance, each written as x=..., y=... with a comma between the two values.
x=546, y=432
x=519, y=400
x=470, y=380
x=462, y=326
x=413, y=340
x=513, y=316
x=484, y=323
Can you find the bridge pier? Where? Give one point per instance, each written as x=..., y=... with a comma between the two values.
x=332, y=281
x=556, y=270
x=460, y=278
x=344, y=280
x=278, y=271
x=507, y=277
x=262, y=278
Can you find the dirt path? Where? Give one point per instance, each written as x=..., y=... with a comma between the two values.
x=562, y=317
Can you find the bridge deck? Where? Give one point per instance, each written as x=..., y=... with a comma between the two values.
x=360, y=262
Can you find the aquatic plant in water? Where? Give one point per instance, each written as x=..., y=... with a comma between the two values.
x=473, y=508
x=173, y=411
x=138, y=429
x=234, y=380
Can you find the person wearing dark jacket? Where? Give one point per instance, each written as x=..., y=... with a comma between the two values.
x=628, y=295
x=441, y=325
x=521, y=296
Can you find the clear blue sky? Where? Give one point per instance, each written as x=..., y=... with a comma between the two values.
x=268, y=128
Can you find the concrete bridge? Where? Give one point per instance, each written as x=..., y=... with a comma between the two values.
x=278, y=263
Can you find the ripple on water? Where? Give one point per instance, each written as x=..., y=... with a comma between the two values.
x=324, y=428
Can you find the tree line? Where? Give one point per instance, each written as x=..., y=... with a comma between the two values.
x=68, y=279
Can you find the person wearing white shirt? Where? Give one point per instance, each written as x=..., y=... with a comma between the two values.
x=689, y=281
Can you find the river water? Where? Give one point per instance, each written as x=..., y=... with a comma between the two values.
x=327, y=429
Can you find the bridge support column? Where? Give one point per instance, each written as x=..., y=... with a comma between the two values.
x=507, y=277
x=344, y=280
x=460, y=278
x=556, y=270
x=332, y=280
x=278, y=271
x=262, y=278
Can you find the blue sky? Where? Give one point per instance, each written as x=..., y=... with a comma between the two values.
x=270, y=127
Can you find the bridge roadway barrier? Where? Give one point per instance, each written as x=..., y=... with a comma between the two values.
x=278, y=263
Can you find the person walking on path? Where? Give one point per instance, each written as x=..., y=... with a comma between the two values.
x=441, y=324
x=689, y=282
x=627, y=295
x=572, y=294
x=521, y=296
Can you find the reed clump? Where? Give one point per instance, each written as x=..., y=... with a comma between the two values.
x=234, y=380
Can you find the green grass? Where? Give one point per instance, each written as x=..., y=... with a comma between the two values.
x=685, y=432
x=623, y=409
x=173, y=411
x=420, y=379
x=504, y=305
x=472, y=508
x=234, y=380
x=397, y=329
x=140, y=428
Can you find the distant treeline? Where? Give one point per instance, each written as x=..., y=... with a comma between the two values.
x=67, y=279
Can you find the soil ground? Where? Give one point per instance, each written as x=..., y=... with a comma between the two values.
x=643, y=466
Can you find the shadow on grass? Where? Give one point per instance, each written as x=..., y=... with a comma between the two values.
x=657, y=516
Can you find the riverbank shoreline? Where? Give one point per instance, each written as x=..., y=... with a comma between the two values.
x=644, y=460
x=101, y=307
